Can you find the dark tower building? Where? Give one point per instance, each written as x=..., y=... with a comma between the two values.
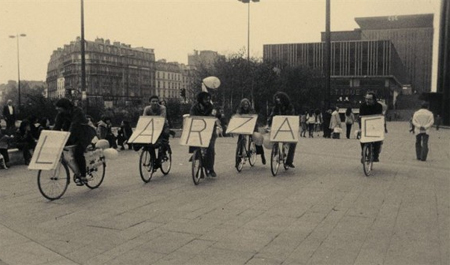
x=412, y=36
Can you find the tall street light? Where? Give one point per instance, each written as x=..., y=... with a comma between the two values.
x=248, y=40
x=83, y=61
x=17, y=36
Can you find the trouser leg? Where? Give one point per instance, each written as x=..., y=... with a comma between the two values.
x=78, y=154
x=424, y=146
x=290, y=156
x=419, y=146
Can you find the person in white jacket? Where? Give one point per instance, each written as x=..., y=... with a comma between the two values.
x=422, y=119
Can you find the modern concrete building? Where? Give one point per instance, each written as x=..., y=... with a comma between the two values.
x=115, y=72
x=356, y=67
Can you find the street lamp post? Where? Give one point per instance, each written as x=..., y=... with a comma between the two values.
x=248, y=41
x=17, y=36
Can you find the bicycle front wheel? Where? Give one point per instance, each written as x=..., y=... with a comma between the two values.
x=367, y=159
x=53, y=183
x=146, y=164
x=197, y=164
x=166, y=161
x=95, y=176
x=240, y=149
x=251, y=152
x=275, y=159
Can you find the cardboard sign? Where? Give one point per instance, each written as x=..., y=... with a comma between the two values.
x=372, y=128
x=148, y=129
x=242, y=124
x=48, y=150
x=197, y=131
x=285, y=129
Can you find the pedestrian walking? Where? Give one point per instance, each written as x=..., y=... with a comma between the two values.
x=311, y=121
x=423, y=120
x=349, y=120
x=438, y=122
x=335, y=124
x=303, y=124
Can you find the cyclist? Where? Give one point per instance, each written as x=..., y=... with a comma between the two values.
x=71, y=118
x=156, y=109
x=204, y=107
x=245, y=107
x=371, y=107
x=283, y=106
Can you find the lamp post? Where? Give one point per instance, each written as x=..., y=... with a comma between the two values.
x=248, y=41
x=17, y=36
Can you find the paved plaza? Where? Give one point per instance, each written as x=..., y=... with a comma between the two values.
x=325, y=211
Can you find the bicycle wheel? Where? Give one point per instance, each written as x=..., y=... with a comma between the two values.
x=95, y=176
x=197, y=164
x=240, y=150
x=285, y=152
x=367, y=159
x=53, y=183
x=275, y=159
x=146, y=166
x=251, y=149
x=166, y=161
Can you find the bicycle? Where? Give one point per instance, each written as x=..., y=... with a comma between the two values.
x=53, y=184
x=148, y=165
x=367, y=158
x=278, y=156
x=198, y=164
x=245, y=150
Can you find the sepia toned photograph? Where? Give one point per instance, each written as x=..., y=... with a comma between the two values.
x=247, y=132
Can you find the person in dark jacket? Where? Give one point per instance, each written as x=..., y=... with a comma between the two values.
x=326, y=123
x=371, y=107
x=25, y=140
x=283, y=106
x=123, y=134
x=245, y=107
x=204, y=107
x=72, y=119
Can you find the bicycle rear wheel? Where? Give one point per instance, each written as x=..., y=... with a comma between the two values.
x=251, y=152
x=166, y=161
x=367, y=159
x=53, y=183
x=275, y=159
x=197, y=165
x=95, y=176
x=240, y=150
x=146, y=165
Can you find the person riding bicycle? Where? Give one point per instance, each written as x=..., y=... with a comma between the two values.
x=204, y=107
x=72, y=119
x=283, y=106
x=245, y=107
x=156, y=109
x=371, y=107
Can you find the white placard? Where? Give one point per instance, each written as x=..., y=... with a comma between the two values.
x=285, y=129
x=242, y=124
x=372, y=128
x=197, y=131
x=48, y=150
x=148, y=129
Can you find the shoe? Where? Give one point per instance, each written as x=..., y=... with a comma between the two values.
x=263, y=160
x=376, y=160
x=212, y=173
x=79, y=181
x=290, y=165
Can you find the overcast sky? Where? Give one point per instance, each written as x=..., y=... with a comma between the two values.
x=175, y=28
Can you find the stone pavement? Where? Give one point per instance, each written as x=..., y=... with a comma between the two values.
x=325, y=211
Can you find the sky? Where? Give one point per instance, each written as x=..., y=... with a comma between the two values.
x=175, y=28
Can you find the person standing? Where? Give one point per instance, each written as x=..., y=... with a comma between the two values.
x=104, y=131
x=335, y=124
x=9, y=114
x=438, y=122
x=326, y=123
x=283, y=106
x=123, y=134
x=423, y=120
x=311, y=121
x=303, y=124
x=349, y=120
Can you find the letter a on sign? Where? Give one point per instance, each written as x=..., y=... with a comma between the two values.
x=197, y=130
x=147, y=130
x=285, y=129
x=48, y=150
x=242, y=124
